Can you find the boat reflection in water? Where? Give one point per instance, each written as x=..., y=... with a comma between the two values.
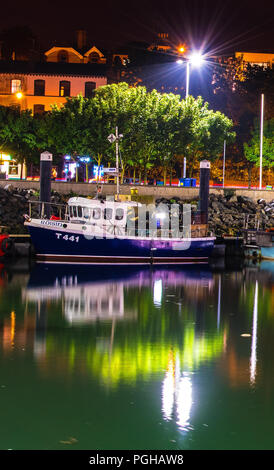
x=153, y=316
x=89, y=293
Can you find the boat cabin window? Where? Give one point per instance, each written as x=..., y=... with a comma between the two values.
x=96, y=213
x=77, y=211
x=86, y=212
x=108, y=214
x=119, y=214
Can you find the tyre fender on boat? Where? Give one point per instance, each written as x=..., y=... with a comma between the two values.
x=6, y=245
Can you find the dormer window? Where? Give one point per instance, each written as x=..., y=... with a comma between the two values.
x=62, y=56
x=94, y=57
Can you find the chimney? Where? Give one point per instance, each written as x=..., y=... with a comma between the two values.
x=81, y=39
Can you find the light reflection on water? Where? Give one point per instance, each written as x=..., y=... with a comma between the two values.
x=179, y=338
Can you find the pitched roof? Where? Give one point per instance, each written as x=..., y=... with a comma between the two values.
x=53, y=68
x=68, y=49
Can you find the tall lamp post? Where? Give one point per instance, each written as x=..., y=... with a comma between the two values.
x=195, y=59
x=261, y=141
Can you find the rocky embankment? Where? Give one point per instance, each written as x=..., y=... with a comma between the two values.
x=227, y=214
x=14, y=203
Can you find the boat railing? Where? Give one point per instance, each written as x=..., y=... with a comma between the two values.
x=46, y=210
x=183, y=232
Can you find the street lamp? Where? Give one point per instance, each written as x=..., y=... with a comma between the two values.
x=196, y=59
x=261, y=141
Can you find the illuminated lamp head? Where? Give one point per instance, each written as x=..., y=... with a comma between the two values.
x=196, y=59
x=19, y=95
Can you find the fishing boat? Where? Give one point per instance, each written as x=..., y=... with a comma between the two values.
x=103, y=231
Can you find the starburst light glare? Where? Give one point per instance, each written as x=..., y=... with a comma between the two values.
x=196, y=59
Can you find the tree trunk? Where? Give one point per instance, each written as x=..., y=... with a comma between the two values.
x=134, y=175
x=249, y=170
x=165, y=171
x=145, y=178
x=190, y=170
x=170, y=177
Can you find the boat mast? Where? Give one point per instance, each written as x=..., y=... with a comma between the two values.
x=117, y=161
x=115, y=138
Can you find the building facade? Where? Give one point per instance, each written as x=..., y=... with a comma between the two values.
x=39, y=86
x=256, y=58
x=64, y=72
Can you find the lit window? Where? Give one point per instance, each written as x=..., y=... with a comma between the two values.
x=13, y=169
x=64, y=88
x=15, y=86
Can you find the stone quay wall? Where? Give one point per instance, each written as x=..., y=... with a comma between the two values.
x=187, y=194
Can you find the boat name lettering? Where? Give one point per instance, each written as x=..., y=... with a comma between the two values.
x=49, y=222
x=67, y=237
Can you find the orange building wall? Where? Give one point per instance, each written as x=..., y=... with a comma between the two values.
x=256, y=58
x=77, y=86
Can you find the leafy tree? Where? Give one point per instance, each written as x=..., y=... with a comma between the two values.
x=206, y=132
x=155, y=128
x=17, y=135
x=252, y=148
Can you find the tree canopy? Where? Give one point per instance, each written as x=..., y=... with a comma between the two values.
x=252, y=148
x=156, y=128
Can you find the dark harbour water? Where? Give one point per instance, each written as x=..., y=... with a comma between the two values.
x=136, y=358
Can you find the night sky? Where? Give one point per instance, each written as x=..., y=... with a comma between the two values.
x=217, y=26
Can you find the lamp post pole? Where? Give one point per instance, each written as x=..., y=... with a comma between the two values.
x=187, y=93
x=224, y=164
x=261, y=141
x=117, y=160
x=187, y=78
